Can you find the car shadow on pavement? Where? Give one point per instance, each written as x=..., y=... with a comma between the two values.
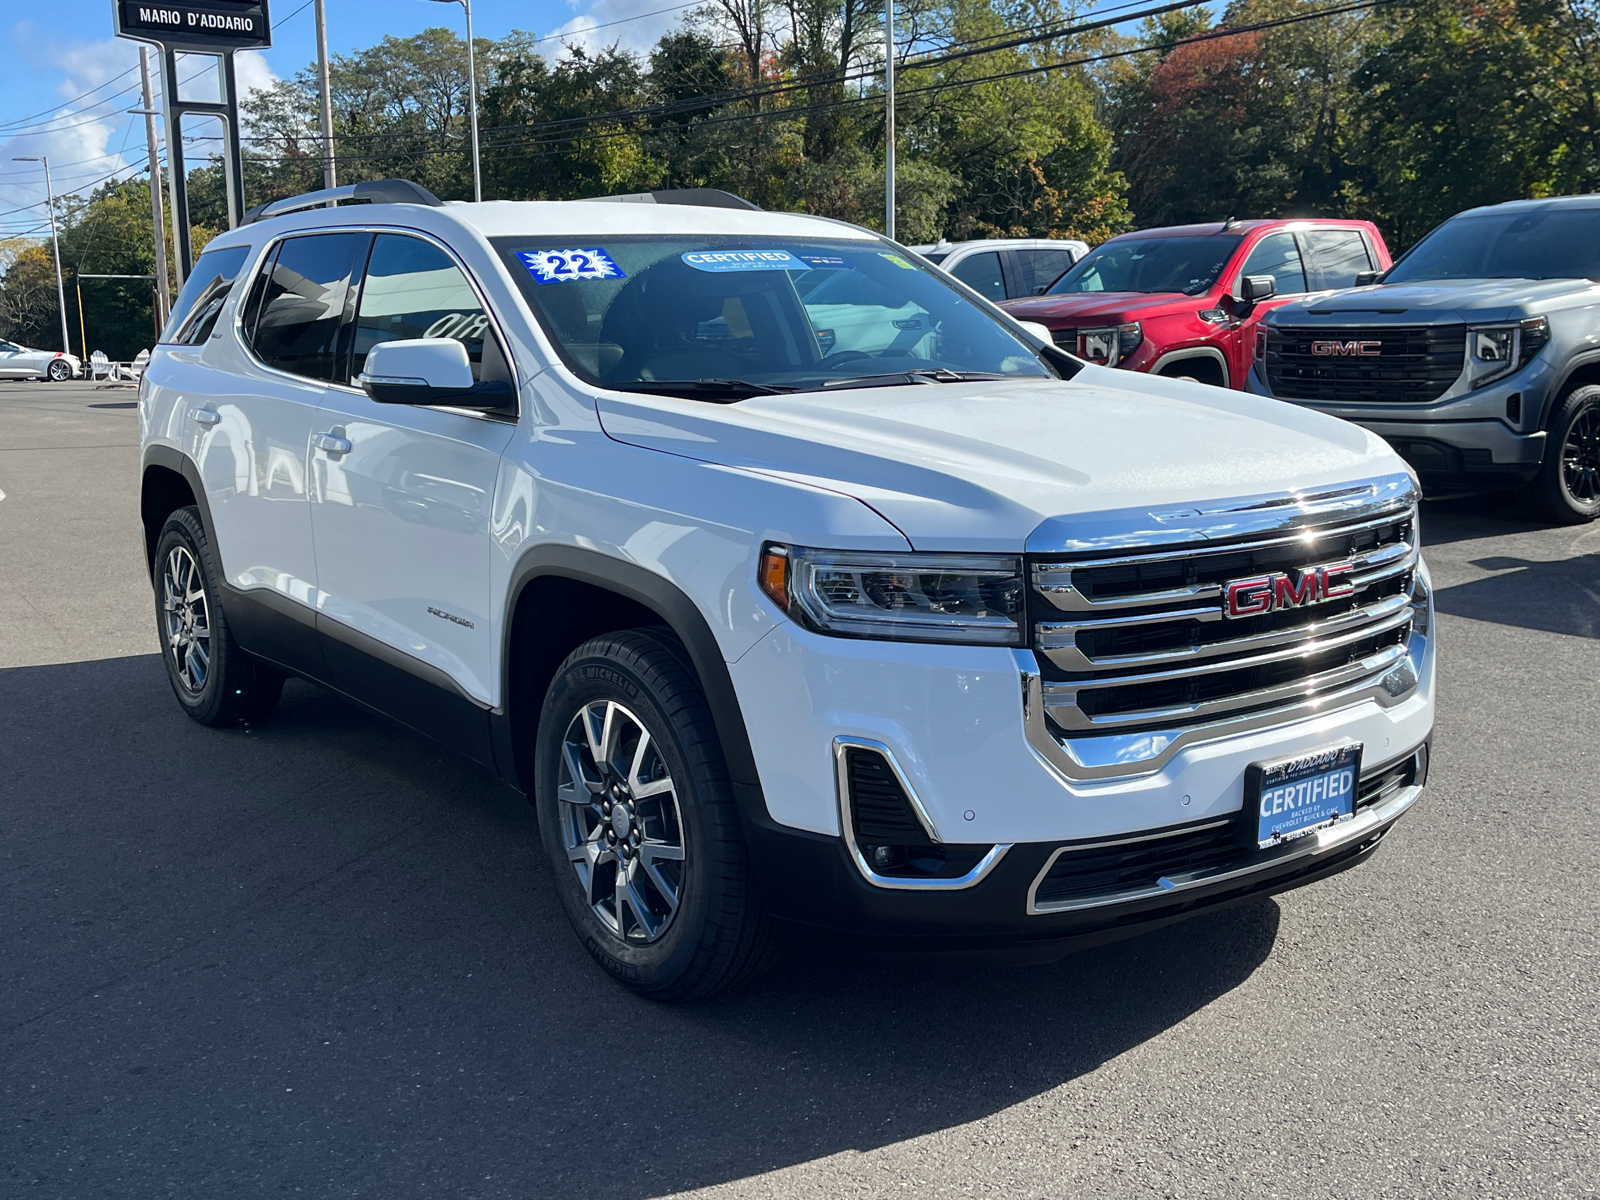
x=1560, y=596
x=322, y=954
x=1481, y=515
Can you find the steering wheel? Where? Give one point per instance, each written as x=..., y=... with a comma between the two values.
x=842, y=357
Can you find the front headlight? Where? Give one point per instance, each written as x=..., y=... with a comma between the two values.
x=969, y=598
x=1109, y=346
x=1494, y=351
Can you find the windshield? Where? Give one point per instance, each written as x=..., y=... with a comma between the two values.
x=1556, y=242
x=645, y=313
x=1188, y=264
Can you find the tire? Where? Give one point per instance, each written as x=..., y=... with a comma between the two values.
x=1567, y=489
x=214, y=679
x=58, y=370
x=655, y=879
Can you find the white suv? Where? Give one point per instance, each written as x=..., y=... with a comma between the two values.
x=793, y=583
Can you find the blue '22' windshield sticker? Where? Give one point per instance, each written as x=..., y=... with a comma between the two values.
x=720, y=261
x=569, y=266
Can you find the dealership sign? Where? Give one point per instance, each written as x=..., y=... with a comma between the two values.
x=210, y=25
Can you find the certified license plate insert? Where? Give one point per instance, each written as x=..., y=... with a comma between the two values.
x=1288, y=798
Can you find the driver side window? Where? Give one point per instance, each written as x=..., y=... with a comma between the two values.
x=1278, y=255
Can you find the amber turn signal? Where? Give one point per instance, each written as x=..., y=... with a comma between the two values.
x=775, y=575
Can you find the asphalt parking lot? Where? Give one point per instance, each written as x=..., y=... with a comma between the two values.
x=318, y=957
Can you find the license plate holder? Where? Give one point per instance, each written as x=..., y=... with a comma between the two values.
x=1288, y=798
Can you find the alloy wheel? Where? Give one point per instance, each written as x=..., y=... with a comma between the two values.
x=620, y=822
x=186, y=620
x=1580, y=457
x=59, y=371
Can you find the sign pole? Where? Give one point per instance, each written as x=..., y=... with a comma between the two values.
x=170, y=107
x=888, y=119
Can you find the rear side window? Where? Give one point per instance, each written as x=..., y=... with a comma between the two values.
x=302, y=303
x=1278, y=256
x=1041, y=268
x=981, y=273
x=194, y=315
x=1337, y=257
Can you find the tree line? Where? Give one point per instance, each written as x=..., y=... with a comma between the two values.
x=1014, y=118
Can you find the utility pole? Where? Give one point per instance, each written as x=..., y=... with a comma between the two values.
x=157, y=221
x=330, y=170
x=61, y=288
x=888, y=118
x=472, y=100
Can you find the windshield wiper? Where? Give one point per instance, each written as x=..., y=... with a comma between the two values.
x=722, y=390
x=935, y=375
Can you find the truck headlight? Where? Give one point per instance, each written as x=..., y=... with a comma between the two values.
x=1495, y=351
x=969, y=598
x=1109, y=346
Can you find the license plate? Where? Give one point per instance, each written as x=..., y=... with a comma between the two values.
x=1292, y=797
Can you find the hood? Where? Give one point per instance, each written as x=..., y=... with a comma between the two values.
x=1111, y=307
x=980, y=466
x=1446, y=300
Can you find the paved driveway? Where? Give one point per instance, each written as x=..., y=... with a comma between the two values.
x=316, y=957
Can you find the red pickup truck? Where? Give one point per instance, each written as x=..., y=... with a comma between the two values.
x=1185, y=300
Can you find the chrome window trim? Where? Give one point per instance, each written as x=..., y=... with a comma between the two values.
x=1324, y=841
x=980, y=870
x=472, y=282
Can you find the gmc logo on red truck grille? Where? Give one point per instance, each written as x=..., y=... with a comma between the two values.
x=1343, y=349
x=1268, y=593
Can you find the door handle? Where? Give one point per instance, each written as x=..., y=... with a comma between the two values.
x=331, y=444
x=205, y=416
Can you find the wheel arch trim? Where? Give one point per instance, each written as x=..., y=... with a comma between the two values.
x=174, y=460
x=675, y=609
x=1206, y=352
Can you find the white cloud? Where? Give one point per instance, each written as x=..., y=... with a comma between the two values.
x=93, y=137
x=644, y=24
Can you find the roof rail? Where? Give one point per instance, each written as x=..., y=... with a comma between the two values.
x=699, y=197
x=376, y=191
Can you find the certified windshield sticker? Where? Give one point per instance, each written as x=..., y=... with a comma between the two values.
x=720, y=261
x=570, y=266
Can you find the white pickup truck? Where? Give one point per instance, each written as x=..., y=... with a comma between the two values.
x=928, y=635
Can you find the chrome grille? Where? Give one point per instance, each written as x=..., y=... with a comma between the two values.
x=1130, y=641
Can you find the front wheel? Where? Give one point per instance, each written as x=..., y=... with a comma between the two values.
x=639, y=821
x=59, y=371
x=214, y=679
x=1567, y=488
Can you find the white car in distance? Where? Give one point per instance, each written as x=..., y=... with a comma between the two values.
x=1006, y=268
x=926, y=633
x=24, y=362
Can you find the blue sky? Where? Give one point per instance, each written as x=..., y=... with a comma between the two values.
x=54, y=52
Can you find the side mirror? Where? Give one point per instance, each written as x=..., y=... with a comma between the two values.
x=1367, y=278
x=1253, y=289
x=429, y=371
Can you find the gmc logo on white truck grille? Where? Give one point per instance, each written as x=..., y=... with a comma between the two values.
x=1268, y=593
x=1344, y=349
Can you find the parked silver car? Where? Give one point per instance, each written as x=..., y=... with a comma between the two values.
x=24, y=362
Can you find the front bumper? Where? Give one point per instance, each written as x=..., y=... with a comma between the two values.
x=1483, y=439
x=811, y=883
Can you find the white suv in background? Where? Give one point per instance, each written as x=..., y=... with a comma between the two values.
x=1006, y=268
x=940, y=638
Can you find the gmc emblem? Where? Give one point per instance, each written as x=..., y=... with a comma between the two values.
x=1343, y=349
x=1268, y=593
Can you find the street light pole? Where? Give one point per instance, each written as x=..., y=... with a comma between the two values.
x=472, y=100
x=158, y=222
x=888, y=118
x=330, y=173
x=61, y=288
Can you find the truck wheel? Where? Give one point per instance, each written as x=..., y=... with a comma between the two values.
x=1567, y=488
x=215, y=680
x=639, y=821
